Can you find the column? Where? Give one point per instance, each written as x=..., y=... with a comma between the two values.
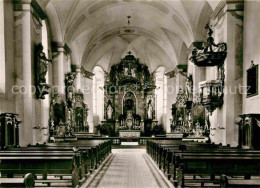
x=24, y=36
x=78, y=78
x=227, y=22
x=60, y=57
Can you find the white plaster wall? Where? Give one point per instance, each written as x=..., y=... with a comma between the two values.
x=32, y=112
x=228, y=29
x=251, y=51
x=98, y=94
x=170, y=101
x=87, y=89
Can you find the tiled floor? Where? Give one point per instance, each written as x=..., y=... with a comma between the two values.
x=129, y=168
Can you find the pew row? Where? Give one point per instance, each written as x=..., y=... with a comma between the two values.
x=179, y=160
x=26, y=181
x=73, y=160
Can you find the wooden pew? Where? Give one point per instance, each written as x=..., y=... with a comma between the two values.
x=100, y=148
x=87, y=150
x=158, y=150
x=42, y=163
x=226, y=182
x=214, y=164
x=169, y=153
x=86, y=153
x=92, y=154
x=26, y=181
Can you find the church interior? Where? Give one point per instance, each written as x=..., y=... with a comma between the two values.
x=129, y=93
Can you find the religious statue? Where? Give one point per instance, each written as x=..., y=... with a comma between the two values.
x=79, y=119
x=189, y=85
x=109, y=110
x=41, y=64
x=69, y=79
x=189, y=120
x=133, y=73
x=126, y=71
x=180, y=120
x=198, y=130
x=172, y=125
x=207, y=123
x=150, y=110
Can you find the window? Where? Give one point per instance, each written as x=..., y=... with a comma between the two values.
x=161, y=92
x=98, y=92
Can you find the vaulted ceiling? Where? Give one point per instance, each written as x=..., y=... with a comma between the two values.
x=160, y=31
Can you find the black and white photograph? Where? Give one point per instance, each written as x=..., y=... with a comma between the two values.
x=129, y=93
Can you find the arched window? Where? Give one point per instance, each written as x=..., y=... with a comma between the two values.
x=98, y=92
x=165, y=94
x=161, y=93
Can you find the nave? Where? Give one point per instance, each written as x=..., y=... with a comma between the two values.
x=81, y=78
x=129, y=168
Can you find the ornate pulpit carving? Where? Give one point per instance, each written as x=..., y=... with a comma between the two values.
x=208, y=53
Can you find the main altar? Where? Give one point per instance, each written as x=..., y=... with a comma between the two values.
x=129, y=97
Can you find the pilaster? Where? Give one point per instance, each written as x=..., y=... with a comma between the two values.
x=227, y=21
x=28, y=18
x=60, y=52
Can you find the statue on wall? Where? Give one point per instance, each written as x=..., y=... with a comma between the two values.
x=69, y=80
x=109, y=110
x=150, y=110
x=41, y=69
x=189, y=88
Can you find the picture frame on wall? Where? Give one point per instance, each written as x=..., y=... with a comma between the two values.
x=252, y=80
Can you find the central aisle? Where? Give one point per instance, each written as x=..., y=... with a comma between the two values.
x=129, y=168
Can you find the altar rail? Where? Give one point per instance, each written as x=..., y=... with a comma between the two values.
x=117, y=140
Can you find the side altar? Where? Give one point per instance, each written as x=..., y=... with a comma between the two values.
x=130, y=97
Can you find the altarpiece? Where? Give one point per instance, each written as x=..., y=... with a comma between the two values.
x=129, y=95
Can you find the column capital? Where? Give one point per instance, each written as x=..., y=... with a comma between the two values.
x=78, y=68
x=60, y=47
x=30, y=5
x=227, y=6
x=178, y=69
x=86, y=74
